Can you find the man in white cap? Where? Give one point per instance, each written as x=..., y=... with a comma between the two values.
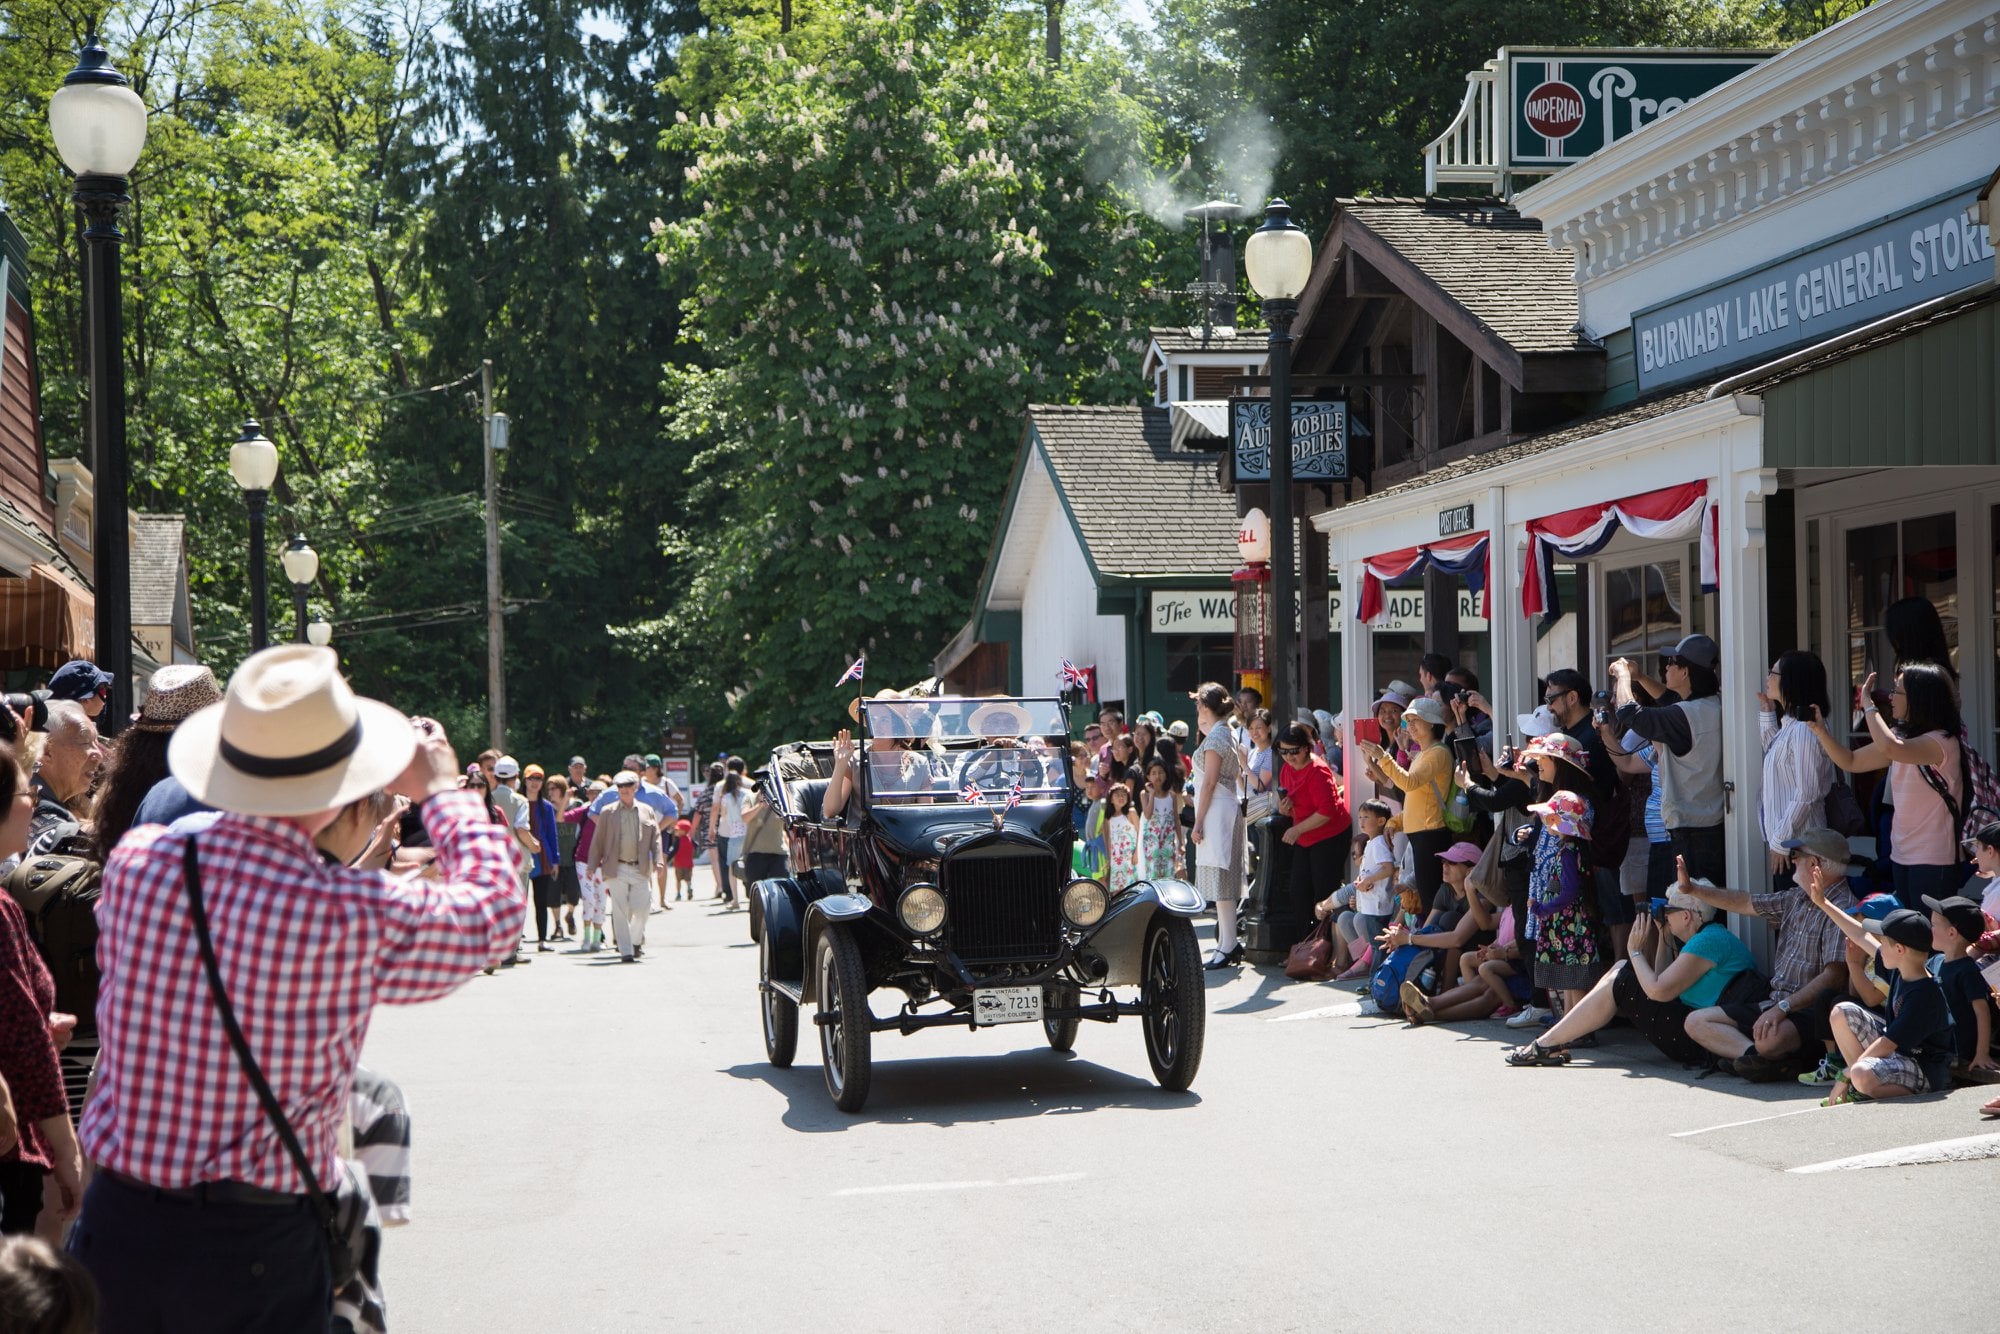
x=196, y=1189
x=625, y=851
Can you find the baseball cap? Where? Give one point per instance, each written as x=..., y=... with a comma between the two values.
x=506, y=767
x=78, y=679
x=1177, y=729
x=533, y=771
x=1908, y=927
x=578, y=759
x=653, y=761
x=1697, y=651
x=1963, y=914
x=625, y=778
x=1877, y=906
x=1824, y=844
x=1462, y=852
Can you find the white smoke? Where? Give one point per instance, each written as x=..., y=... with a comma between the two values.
x=1239, y=159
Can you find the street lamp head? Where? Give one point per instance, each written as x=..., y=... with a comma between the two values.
x=301, y=562
x=1278, y=256
x=97, y=121
x=253, y=460
x=319, y=631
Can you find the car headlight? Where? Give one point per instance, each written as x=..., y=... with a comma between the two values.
x=1084, y=902
x=921, y=909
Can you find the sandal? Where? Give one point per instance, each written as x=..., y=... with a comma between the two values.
x=1843, y=1093
x=1534, y=1053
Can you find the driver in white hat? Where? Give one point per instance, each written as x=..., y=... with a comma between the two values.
x=189, y=1163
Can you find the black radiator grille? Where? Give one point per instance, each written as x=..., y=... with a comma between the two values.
x=1003, y=909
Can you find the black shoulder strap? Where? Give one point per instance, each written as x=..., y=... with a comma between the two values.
x=266, y=1099
x=1943, y=789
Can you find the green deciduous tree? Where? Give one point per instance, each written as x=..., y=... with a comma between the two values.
x=908, y=229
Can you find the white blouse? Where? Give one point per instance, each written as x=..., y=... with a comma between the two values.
x=1797, y=777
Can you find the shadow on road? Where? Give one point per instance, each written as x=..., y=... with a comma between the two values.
x=950, y=1090
x=1623, y=1052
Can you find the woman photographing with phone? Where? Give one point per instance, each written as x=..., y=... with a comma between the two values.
x=1425, y=784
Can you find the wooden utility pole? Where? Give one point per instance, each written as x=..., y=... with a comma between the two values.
x=496, y=643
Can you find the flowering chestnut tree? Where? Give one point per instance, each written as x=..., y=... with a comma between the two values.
x=900, y=232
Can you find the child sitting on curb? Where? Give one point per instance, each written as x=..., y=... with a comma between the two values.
x=1909, y=1052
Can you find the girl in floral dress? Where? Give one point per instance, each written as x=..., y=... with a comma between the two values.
x=1560, y=897
x=1121, y=836
x=1160, y=839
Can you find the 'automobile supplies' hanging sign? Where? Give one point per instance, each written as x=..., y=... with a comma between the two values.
x=1929, y=251
x=1319, y=439
x=1565, y=105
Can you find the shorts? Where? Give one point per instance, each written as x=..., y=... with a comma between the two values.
x=1633, y=870
x=683, y=875
x=1614, y=906
x=567, y=885
x=1895, y=1068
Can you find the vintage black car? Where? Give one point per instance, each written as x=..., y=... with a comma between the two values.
x=946, y=879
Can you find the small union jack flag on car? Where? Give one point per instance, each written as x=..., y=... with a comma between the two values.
x=1014, y=795
x=973, y=796
x=853, y=672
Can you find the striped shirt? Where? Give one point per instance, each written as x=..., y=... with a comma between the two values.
x=1797, y=777
x=306, y=950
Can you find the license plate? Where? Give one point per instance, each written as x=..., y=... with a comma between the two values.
x=1006, y=1005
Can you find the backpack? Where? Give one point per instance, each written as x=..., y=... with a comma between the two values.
x=1459, y=817
x=1980, y=785
x=1404, y=964
x=1842, y=810
x=58, y=892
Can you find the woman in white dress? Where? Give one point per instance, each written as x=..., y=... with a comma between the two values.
x=1218, y=819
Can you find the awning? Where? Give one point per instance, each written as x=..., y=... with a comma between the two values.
x=1199, y=419
x=1464, y=556
x=45, y=620
x=1670, y=512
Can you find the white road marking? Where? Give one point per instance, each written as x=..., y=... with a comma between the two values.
x=1755, y=1120
x=1970, y=1149
x=918, y=1187
x=1351, y=1010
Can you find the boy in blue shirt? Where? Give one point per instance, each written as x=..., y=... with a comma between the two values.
x=1956, y=925
x=1910, y=1051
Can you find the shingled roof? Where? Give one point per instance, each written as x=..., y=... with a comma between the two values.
x=1176, y=340
x=1485, y=256
x=1141, y=508
x=156, y=567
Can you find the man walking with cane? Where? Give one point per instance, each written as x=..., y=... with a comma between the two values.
x=211, y=1199
x=625, y=849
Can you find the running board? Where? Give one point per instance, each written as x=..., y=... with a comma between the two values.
x=794, y=994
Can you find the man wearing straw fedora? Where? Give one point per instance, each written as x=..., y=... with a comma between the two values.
x=240, y=972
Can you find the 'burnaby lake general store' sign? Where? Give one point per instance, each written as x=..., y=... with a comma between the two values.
x=1930, y=251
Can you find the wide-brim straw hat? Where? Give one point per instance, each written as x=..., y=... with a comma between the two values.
x=290, y=737
x=999, y=720
x=854, y=705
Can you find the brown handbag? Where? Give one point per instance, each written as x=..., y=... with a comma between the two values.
x=1311, y=960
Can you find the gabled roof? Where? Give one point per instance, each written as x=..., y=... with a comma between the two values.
x=156, y=567
x=1487, y=258
x=1141, y=508
x=1181, y=341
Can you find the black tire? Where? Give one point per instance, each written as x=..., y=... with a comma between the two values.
x=781, y=1016
x=843, y=992
x=1176, y=1017
x=1061, y=1032
x=755, y=902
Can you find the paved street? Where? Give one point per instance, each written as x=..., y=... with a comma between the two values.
x=602, y=1147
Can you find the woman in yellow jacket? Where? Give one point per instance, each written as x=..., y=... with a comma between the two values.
x=1426, y=786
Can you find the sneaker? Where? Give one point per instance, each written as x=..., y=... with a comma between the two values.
x=1528, y=1016
x=1828, y=1071
x=1369, y=1007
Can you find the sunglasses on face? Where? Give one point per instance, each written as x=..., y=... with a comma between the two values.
x=1671, y=661
x=1291, y=750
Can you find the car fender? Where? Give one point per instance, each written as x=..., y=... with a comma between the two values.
x=1120, y=938
x=853, y=910
x=780, y=906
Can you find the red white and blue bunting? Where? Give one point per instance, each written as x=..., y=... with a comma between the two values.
x=1671, y=512
x=1464, y=556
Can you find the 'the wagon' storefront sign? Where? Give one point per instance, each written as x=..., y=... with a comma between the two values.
x=1929, y=251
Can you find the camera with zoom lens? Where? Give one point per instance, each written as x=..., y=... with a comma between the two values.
x=32, y=707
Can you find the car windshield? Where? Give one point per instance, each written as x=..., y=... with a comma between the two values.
x=965, y=751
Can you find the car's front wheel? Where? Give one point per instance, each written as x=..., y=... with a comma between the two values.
x=781, y=1016
x=1176, y=1002
x=844, y=1034
x=1061, y=1032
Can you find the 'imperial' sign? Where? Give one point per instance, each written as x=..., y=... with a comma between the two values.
x=1319, y=439
x=1568, y=104
x=1930, y=251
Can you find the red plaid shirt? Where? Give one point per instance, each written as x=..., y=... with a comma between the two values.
x=307, y=950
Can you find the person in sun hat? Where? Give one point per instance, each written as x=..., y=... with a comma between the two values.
x=134, y=786
x=1565, y=939
x=194, y=1187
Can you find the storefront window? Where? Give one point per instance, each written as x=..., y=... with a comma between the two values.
x=1193, y=659
x=1643, y=613
x=1887, y=562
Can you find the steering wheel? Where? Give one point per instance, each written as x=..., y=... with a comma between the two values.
x=999, y=775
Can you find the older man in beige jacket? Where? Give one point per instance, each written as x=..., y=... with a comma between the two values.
x=625, y=851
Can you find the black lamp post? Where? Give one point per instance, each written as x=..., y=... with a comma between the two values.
x=301, y=564
x=253, y=462
x=99, y=127
x=1278, y=259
